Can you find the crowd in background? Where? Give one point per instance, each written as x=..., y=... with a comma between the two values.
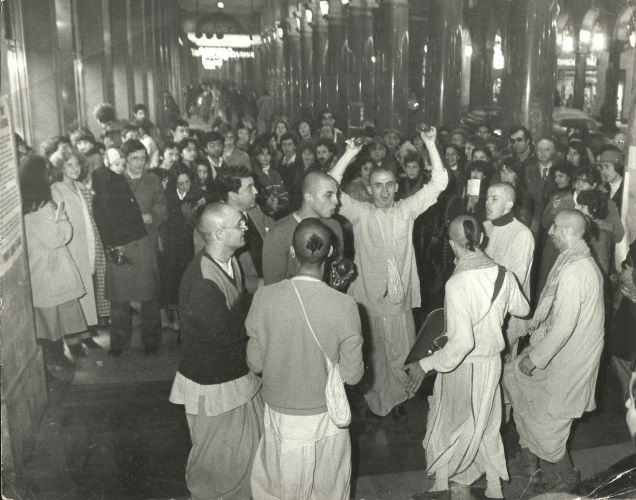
x=110, y=218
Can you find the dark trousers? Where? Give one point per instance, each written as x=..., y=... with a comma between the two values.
x=121, y=324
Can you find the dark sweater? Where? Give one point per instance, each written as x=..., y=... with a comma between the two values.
x=213, y=335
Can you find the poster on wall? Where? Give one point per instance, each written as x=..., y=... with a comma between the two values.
x=10, y=206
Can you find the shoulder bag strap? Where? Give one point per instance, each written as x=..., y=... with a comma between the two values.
x=498, y=283
x=302, y=306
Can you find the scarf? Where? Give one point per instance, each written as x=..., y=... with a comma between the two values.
x=472, y=261
x=540, y=322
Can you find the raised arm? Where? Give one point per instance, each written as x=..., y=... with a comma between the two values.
x=343, y=162
x=427, y=196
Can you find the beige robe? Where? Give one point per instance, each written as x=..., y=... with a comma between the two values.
x=462, y=435
x=379, y=234
x=567, y=359
x=512, y=246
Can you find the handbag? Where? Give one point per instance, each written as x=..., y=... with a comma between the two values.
x=432, y=335
x=335, y=394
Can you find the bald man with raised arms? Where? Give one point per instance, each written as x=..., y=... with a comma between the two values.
x=554, y=379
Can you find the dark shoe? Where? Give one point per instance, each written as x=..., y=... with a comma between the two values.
x=115, y=353
x=151, y=349
x=524, y=465
x=55, y=358
x=372, y=418
x=91, y=344
x=399, y=413
x=432, y=495
x=61, y=363
x=103, y=321
x=560, y=482
x=77, y=351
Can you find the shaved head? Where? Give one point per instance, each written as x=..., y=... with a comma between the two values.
x=213, y=217
x=500, y=200
x=320, y=195
x=314, y=180
x=505, y=191
x=465, y=232
x=312, y=241
x=572, y=219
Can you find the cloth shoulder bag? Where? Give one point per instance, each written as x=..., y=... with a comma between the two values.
x=335, y=394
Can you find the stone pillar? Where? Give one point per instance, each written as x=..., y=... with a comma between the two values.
x=361, y=82
x=418, y=31
x=320, y=48
x=609, y=109
x=306, y=64
x=278, y=75
x=580, y=69
x=481, y=61
x=336, y=83
x=393, y=64
x=530, y=59
x=444, y=63
x=292, y=43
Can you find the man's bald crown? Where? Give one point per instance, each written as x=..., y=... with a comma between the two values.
x=313, y=178
x=465, y=231
x=505, y=190
x=312, y=241
x=574, y=220
x=210, y=219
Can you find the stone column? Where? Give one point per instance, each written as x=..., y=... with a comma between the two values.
x=306, y=64
x=479, y=22
x=393, y=64
x=278, y=76
x=293, y=58
x=320, y=47
x=612, y=74
x=336, y=83
x=444, y=63
x=580, y=69
x=530, y=59
x=361, y=82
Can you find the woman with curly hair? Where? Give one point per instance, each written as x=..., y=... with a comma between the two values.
x=56, y=284
x=83, y=243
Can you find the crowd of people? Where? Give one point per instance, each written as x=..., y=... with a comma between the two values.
x=228, y=234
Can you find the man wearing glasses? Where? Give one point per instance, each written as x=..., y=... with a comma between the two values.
x=220, y=394
x=521, y=143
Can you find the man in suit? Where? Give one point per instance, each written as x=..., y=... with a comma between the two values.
x=236, y=189
x=539, y=179
x=291, y=169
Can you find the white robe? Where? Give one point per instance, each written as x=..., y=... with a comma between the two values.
x=567, y=359
x=512, y=246
x=462, y=436
x=379, y=234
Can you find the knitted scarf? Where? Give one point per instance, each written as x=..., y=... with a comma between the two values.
x=540, y=322
x=472, y=261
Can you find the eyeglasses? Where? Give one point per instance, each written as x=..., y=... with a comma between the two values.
x=241, y=225
x=517, y=139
